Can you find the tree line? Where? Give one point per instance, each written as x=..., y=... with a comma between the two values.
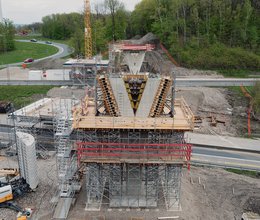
x=197, y=30
x=7, y=32
x=225, y=33
x=109, y=21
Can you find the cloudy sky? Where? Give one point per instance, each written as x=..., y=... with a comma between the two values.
x=29, y=11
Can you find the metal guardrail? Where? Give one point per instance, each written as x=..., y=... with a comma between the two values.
x=180, y=82
x=36, y=82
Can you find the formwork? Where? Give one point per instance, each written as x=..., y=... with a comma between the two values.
x=129, y=138
x=133, y=160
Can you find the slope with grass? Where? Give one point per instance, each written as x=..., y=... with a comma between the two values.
x=26, y=50
x=231, y=62
x=22, y=95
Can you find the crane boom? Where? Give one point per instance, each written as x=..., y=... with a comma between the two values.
x=88, y=31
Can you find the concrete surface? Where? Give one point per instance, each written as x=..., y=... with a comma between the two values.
x=16, y=73
x=148, y=96
x=122, y=99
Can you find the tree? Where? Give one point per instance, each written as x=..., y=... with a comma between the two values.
x=114, y=6
x=77, y=42
x=7, y=32
x=256, y=98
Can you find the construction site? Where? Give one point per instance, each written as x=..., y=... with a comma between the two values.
x=114, y=146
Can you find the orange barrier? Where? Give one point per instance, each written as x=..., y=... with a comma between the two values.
x=169, y=55
x=250, y=108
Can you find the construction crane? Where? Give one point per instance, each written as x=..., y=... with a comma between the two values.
x=88, y=31
x=1, y=13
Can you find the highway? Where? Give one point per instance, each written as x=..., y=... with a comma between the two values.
x=217, y=82
x=180, y=82
x=225, y=158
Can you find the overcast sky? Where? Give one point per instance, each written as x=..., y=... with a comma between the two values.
x=29, y=11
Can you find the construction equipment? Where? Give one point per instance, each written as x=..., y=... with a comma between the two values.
x=88, y=32
x=11, y=190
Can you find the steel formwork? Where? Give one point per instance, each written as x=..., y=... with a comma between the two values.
x=132, y=168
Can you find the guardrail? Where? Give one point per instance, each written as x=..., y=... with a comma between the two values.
x=180, y=82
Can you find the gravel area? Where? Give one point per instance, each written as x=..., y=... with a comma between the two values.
x=207, y=193
x=39, y=200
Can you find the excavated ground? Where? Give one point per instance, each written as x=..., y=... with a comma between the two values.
x=217, y=195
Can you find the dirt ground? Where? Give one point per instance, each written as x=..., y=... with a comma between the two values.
x=39, y=200
x=48, y=64
x=218, y=195
x=226, y=106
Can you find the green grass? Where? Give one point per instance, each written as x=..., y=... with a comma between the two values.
x=26, y=50
x=239, y=73
x=229, y=61
x=22, y=95
x=249, y=173
x=238, y=90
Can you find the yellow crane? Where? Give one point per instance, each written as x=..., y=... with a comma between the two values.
x=88, y=32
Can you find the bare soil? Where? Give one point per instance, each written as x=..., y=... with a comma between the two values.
x=219, y=195
x=48, y=64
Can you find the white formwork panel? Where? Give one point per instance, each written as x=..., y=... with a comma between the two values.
x=27, y=158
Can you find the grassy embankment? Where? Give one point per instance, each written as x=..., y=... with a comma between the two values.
x=229, y=61
x=26, y=50
x=22, y=95
x=249, y=173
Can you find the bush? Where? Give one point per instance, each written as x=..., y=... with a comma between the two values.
x=256, y=97
x=219, y=56
x=6, y=36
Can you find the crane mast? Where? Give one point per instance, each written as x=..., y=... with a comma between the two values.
x=88, y=32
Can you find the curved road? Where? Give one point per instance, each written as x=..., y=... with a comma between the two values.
x=64, y=50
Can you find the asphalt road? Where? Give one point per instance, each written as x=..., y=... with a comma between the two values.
x=225, y=158
x=217, y=82
x=64, y=50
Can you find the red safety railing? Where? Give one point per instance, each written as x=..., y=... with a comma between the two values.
x=153, y=152
x=169, y=55
x=137, y=47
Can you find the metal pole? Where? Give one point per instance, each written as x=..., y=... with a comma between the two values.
x=1, y=13
x=173, y=94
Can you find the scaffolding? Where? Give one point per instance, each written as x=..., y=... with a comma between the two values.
x=66, y=159
x=132, y=168
x=130, y=138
